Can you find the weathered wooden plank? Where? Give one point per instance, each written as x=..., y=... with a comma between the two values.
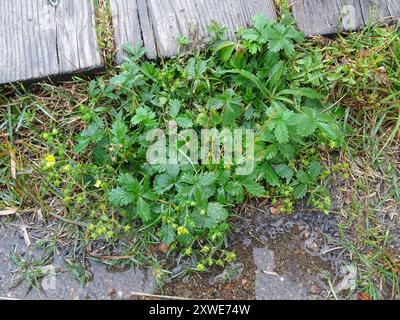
x=132, y=24
x=394, y=9
x=317, y=17
x=43, y=38
x=374, y=11
x=160, y=23
x=174, y=18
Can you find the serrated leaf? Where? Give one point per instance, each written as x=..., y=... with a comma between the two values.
x=306, y=123
x=300, y=191
x=253, y=187
x=184, y=122
x=281, y=131
x=163, y=183
x=119, y=130
x=302, y=176
x=260, y=21
x=142, y=115
x=143, y=210
x=216, y=214
x=271, y=152
x=119, y=197
x=129, y=183
x=284, y=171
x=215, y=103
x=231, y=113
x=207, y=179
x=175, y=108
x=93, y=134
x=251, y=35
x=287, y=150
x=315, y=170
x=167, y=234
x=271, y=176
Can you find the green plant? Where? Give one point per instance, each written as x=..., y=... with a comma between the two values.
x=259, y=82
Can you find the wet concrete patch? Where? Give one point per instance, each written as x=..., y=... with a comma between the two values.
x=278, y=257
x=284, y=257
x=58, y=281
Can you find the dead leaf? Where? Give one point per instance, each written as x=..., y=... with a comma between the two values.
x=229, y=287
x=363, y=53
x=275, y=210
x=383, y=77
x=13, y=165
x=163, y=248
x=39, y=214
x=364, y=296
x=26, y=236
x=8, y=211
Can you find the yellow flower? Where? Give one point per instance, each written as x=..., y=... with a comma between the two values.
x=50, y=161
x=201, y=267
x=98, y=184
x=182, y=231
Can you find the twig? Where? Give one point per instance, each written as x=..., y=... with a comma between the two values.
x=110, y=257
x=77, y=223
x=159, y=296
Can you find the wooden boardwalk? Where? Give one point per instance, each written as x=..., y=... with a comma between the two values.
x=42, y=38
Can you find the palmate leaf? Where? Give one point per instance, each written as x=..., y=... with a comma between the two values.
x=129, y=183
x=142, y=115
x=259, y=32
x=282, y=37
x=93, y=134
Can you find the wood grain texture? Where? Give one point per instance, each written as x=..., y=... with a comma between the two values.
x=321, y=17
x=132, y=24
x=190, y=18
x=39, y=39
x=394, y=9
x=160, y=23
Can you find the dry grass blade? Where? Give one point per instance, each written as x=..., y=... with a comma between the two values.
x=13, y=165
x=8, y=212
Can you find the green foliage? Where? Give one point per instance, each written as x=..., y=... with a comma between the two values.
x=258, y=81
